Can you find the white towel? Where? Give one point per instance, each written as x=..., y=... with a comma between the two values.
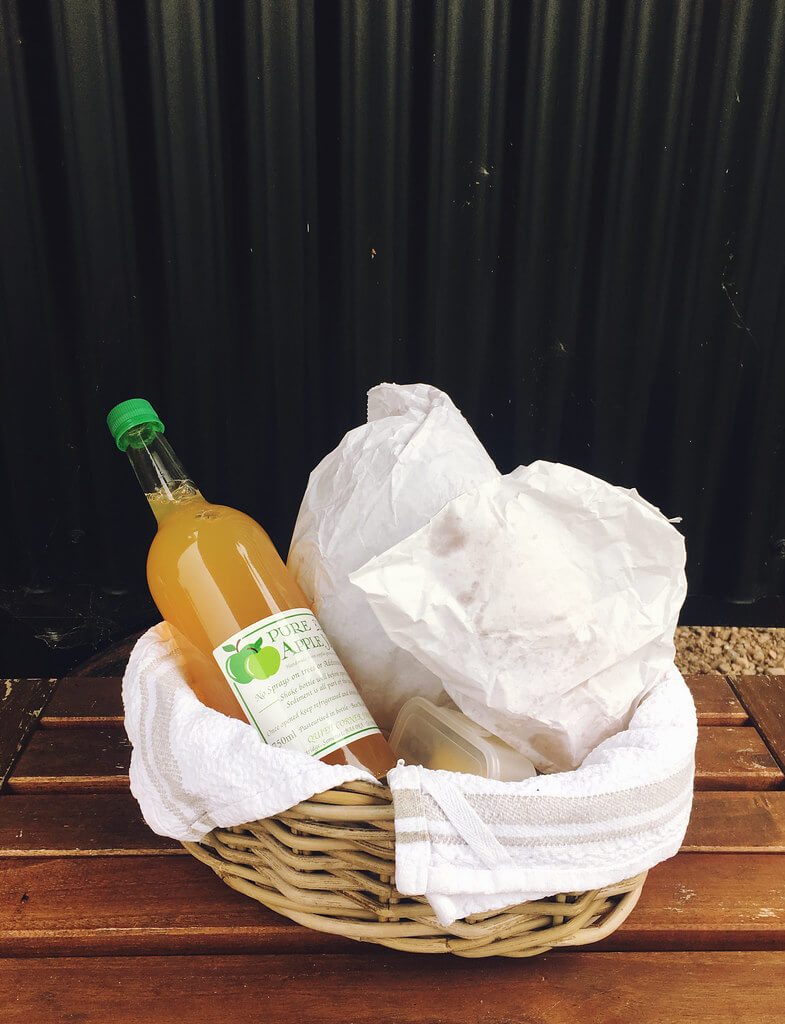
x=472, y=844
x=193, y=769
x=465, y=843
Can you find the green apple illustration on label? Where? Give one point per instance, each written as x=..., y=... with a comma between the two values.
x=263, y=663
x=252, y=662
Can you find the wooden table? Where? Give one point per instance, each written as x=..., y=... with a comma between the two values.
x=101, y=920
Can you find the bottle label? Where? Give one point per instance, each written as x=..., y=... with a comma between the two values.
x=291, y=685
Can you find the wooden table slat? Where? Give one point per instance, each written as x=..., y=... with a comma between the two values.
x=764, y=698
x=77, y=825
x=69, y=760
x=715, y=701
x=87, y=824
x=97, y=758
x=21, y=702
x=394, y=988
x=97, y=700
x=708, y=901
x=85, y=700
x=736, y=823
x=117, y=906
x=731, y=757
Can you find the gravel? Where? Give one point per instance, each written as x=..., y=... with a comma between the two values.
x=730, y=650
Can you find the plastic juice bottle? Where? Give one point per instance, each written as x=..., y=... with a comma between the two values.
x=252, y=647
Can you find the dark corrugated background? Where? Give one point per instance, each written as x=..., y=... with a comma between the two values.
x=570, y=215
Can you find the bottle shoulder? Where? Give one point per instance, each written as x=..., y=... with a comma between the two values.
x=195, y=517
x=220, y=559
x=207, y=526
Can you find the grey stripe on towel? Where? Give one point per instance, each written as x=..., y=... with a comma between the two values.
x=554, y=839
x=540, y=809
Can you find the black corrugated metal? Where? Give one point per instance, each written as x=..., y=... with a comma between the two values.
x=569, y=215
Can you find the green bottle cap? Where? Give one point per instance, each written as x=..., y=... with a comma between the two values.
x=129, y=414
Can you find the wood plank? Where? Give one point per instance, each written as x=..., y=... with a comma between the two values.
x=395, y=988
x=90, y=824
x=715, y=701
x=97, y=700
x=708, y=901
x=131, y=905
x=143, y=905
x=85, y=700
x=70, y=760
x=764, y=698
x=80, y=701
x=77, y=825
x=734, y=757
x=88, y=758
x=21, y=702
x=736, y=823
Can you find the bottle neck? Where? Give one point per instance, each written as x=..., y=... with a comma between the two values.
x=160, y=473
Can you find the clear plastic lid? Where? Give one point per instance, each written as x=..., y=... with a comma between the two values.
x=443, y=737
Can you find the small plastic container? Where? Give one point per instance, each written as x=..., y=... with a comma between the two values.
x=443, y=737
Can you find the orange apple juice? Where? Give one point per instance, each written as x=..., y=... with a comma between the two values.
x=252, y=646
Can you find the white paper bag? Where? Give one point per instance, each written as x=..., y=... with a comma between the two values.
x=384, y=481
x=545, y=600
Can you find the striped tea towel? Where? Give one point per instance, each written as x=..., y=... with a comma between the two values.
x=473, y=845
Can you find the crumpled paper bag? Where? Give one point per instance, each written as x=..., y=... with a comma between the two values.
x=385, y=480
x=546, y=602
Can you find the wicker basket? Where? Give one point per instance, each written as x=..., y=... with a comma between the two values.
x=329, y=862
